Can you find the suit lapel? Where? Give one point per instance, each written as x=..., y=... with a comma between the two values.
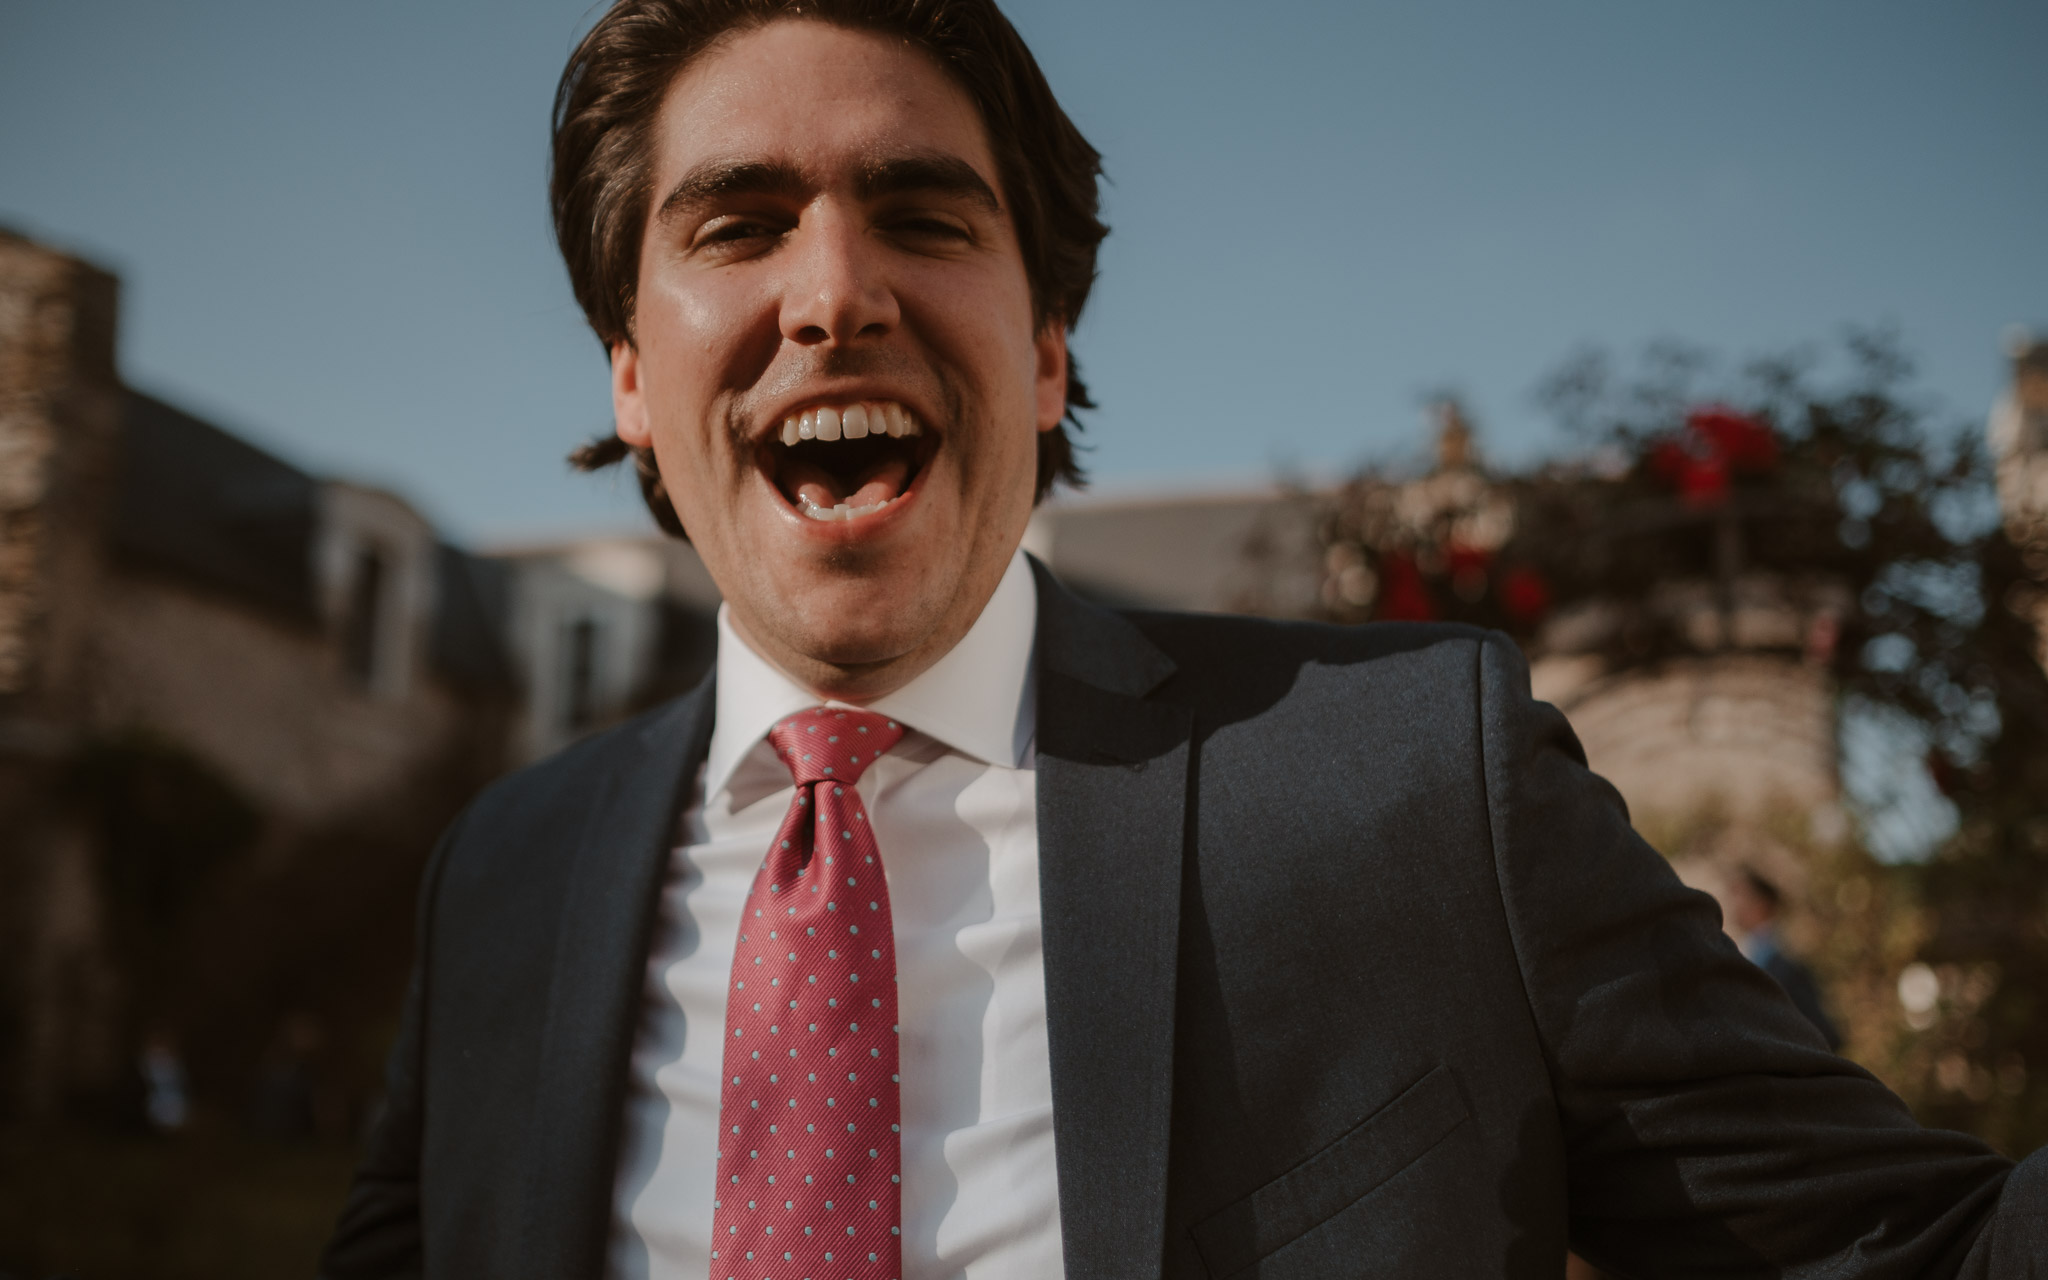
x=594, y=998
x=1112, y=798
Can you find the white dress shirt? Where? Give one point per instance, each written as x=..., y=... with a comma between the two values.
x=954, y=811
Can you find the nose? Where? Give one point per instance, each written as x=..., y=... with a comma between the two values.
x=836, y=290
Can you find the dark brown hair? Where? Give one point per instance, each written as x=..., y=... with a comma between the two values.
x=600, y=182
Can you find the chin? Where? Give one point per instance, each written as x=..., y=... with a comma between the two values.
x=860, y=621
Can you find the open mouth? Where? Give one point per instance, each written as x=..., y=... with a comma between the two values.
x=842, y=462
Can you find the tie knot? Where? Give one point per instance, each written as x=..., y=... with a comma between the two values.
x=832, y=742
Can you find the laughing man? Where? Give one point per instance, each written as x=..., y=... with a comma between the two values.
x=957, y=927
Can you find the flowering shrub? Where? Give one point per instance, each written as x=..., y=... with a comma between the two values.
x=1884, y=535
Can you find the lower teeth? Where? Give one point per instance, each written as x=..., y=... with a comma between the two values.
x=839, y=512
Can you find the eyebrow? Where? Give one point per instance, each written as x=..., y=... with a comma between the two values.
x=716, y=178
x=876, y=177
x=934, y=171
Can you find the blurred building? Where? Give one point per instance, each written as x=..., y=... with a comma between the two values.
x=2019, y=442
x=238, y=701
x=603, y=626
x=2018, y=434
x=169, y=591
x=1727, y=757
x=1250, y=550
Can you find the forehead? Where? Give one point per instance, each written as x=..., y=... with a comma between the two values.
x=817, y=96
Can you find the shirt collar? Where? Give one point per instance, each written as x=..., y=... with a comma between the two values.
x=977, y=699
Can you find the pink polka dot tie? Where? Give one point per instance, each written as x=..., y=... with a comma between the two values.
x=810, y=1160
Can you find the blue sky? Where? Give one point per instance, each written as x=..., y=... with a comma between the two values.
x=331, y=227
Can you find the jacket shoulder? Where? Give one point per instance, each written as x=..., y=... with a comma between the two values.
x=1414, y=687
x=1221, y=644
x=559, y=787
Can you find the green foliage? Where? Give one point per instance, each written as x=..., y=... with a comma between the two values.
x=1865, y=493
x=1831, y=484
x=1869, y=498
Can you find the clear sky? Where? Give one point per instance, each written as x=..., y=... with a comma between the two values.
x=331, y=225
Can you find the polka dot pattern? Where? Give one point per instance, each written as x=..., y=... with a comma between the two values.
x=810, y=1157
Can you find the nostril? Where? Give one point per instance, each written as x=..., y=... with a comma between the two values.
x=811, y=334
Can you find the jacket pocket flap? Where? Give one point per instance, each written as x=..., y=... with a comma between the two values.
x=1317, y=1189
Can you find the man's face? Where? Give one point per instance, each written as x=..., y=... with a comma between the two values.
x=828, y=243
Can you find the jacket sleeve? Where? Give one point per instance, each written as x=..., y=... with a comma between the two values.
x=1708, y=1130
x=379, y=1235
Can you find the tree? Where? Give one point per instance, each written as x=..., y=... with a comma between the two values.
x=1841, y=487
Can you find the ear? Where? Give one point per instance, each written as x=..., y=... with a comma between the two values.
x=1051, y=383
x=629, y=400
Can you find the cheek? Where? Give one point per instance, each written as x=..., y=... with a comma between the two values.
x=985, y=332
x=693, y=344
x=705, y=315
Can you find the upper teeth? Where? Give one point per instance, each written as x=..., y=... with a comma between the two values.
x=852, y=421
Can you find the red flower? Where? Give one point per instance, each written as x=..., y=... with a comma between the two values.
x=1404, y=597
x=1749, y=446
x=1459, y=558
x=1525, y=596
x=1693, y=467
x=1716, y=444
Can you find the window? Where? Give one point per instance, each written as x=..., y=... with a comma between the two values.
x=363, y=620
x=582, y=700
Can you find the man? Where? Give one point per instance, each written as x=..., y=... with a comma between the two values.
x=1146, y=944
x=1752, y=909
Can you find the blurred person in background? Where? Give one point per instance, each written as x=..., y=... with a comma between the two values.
x=166, y=1092
x=958, y=926
x=1754, y=904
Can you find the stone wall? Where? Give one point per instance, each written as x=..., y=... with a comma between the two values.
x=2019, y=444
x=1745, y=735
x=60, y=403
x=1744, y=726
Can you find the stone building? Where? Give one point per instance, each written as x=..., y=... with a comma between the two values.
x=1727, y=757
x=2019, y=443
x=179, y=609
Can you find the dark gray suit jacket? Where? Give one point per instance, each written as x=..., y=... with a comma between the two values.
x=1352, y=969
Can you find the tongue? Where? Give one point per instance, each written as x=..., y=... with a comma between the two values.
x=821, y=488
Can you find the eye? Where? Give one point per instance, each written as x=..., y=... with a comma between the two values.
x=734, y=230
x=929, y=227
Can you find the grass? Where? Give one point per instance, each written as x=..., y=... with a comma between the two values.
x=197, y=1207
